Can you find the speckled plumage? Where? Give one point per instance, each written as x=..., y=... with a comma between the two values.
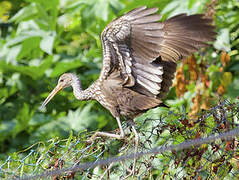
x=139, y=60
x=140, y=55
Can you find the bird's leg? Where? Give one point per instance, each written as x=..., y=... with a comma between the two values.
x=117, y=136
x=109, y=167
x=136, y=138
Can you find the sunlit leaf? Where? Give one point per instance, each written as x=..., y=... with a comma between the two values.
x=28, y=46
x=176, y=7
x=223, y=40
x=65, y=66
x=81, y=118
x=25, y=13
x=13, y=53
x=47, y=42
x=101, y=9
x=32, y=71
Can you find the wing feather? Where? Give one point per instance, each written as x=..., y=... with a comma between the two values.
x=140, y=12
x=145, y=51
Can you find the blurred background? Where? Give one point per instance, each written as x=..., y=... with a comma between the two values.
x=40, y=40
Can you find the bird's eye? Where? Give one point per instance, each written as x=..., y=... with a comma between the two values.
x=61, y=80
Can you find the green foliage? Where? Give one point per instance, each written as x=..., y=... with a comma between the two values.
x=205, y=161
x=41, y=39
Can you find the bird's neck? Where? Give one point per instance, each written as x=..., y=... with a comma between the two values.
x=78, y=92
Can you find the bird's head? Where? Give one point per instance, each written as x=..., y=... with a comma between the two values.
x=64, y=81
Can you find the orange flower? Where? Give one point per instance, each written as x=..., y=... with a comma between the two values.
x=192, y=67
x=221, y=90
x=196, y=106
x=180, y=82
x=225, y=58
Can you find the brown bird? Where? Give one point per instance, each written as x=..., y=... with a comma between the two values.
x=139, y=61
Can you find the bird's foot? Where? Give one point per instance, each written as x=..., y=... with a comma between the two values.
x=97, y=135
x=92, y=139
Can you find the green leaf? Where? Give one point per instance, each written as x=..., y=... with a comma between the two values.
x=39, y=119
x=81, y=118
x=13, y=53
x=65, y=66
x=177, y=6
x=45, y=131
x=28, y=46
x=47, y=42
x=233, y=88
x=226, y=79
x=6, y=128
x=235, y=67
x=32, y=71
x=223, y=40
x=69, y=141
x=3, y=95
x=191, y=3
x=101, y=9
x=23, y=117
x=117, y=5
x=25, y=13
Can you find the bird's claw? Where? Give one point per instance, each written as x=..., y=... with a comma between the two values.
x=92, y=138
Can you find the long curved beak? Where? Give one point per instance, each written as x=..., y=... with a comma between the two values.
x=51, y=95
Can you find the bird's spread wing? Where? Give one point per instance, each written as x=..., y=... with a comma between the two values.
x=145, y=51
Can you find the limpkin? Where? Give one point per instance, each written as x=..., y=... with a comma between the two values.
x=139, y=61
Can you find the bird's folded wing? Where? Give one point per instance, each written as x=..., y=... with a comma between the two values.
x=144, y=49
